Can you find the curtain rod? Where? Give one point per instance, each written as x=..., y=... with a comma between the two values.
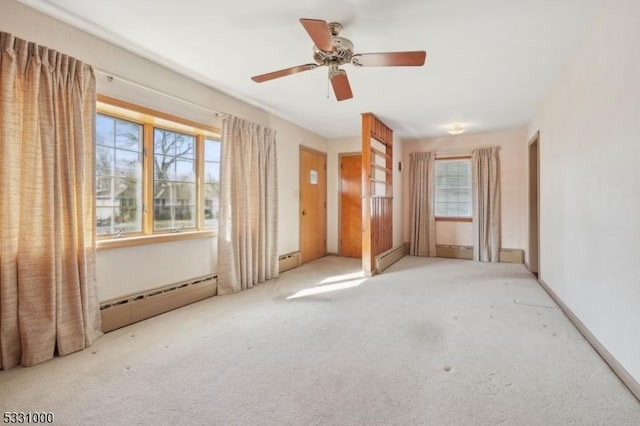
x=111, y=76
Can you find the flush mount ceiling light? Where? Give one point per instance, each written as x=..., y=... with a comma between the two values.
x=455, y=129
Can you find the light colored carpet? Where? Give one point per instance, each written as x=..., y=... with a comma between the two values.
x=429, y=342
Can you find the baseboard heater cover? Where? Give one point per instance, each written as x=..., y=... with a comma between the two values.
x=120, y=312
x=512, y=255
x=454, y=252
x=289, y=261
x=391, y=256
x=466, y=252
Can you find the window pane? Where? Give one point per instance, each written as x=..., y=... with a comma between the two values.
x=105, y=126
x=128, y=135
x=185, y=146
x=128, y=163
x=174, y=187
x=211, y=172
x=118, y=176
x=453, y=188
x=211, y=150
x=162, y=143
x=174, y=205
x=164, y=167
x=104, y=160
x=103, y=220
x=173, y=143
x=128, y=205
x=104, y=184
x=185, y=170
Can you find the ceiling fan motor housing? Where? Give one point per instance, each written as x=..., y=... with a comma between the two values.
x=341, y=55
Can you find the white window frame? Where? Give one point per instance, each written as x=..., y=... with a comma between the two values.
x=438, y=193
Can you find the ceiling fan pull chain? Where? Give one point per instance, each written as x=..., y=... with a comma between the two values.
x=328, y=83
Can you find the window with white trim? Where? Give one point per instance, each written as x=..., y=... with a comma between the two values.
x=453, y=188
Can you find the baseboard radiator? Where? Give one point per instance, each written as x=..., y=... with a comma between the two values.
x=289, y=261
x=454, y=252
x=466, y=252
x=512, y=255
x=129, y=309
x=391, y=256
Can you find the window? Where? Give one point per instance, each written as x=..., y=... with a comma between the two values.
x=453, y=188
x=174, y=180
x=118, y=176
x=155, y=174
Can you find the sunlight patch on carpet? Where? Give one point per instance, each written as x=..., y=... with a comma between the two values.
x=326, y=288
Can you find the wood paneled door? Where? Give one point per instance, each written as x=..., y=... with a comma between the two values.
x=313, y=204
x=351, y=205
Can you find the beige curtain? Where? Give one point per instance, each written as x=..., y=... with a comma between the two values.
x=422, y=208
x=48, y=298
x=485, y=169
x=248, y=231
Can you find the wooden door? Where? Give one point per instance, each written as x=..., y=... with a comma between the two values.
x=313, y=204
x=351, y=205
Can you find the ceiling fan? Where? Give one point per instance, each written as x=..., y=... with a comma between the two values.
x=331, y=50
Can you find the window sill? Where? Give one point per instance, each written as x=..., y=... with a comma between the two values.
x=153, y=239
x=453, y=219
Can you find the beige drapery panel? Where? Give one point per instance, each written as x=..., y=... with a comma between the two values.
x=422, y=208
x=485, y=169
x=248, y=230
x=48, y=300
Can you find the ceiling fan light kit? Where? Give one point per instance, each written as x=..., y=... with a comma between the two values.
x=332, y=51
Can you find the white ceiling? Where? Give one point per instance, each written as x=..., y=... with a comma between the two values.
x=489, y=62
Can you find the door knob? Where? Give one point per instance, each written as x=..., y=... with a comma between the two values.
x=304, y=212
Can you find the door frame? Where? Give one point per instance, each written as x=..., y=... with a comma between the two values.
x=533, y=156
x=302, y=148
x=340, y=156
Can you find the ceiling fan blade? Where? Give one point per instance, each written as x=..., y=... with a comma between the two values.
x=320, y=34
x=341, y=86
x=390, y=59
x=282, y=73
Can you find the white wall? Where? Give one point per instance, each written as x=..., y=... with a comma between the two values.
x=590, y=182
x=128, y=270
x=513, y=156
x=289, y=138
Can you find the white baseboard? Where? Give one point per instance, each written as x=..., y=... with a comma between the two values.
x=626, y=378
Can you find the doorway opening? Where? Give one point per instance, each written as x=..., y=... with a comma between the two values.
x=534, y=205
x=350, y=205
